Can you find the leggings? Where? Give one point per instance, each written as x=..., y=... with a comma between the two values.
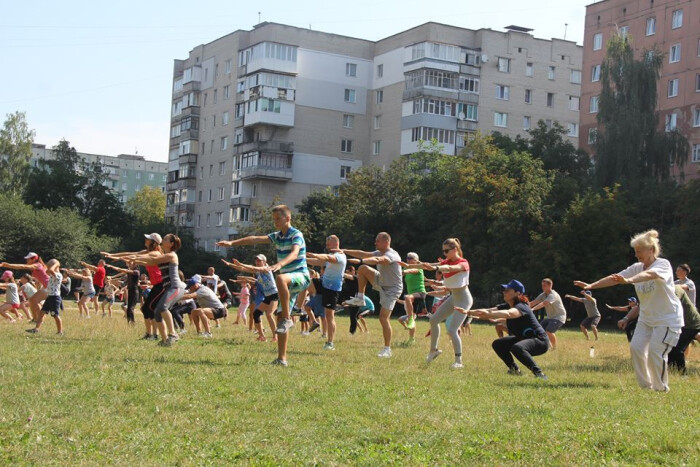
x=178, y=310
x=353, y=311
x=522, y=349
x=132, y=297
x=242, y=309
x=461, y=298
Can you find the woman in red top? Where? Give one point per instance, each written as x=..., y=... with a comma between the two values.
x=38, y=270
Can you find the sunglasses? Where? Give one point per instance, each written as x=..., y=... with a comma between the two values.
x=448, y=250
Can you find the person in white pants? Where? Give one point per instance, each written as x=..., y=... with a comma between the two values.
x=660, y=311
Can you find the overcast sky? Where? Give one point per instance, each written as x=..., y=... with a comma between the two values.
x=100, y=74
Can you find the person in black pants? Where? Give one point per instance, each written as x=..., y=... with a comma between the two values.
x=132, y=288
x=527, y=337
x=350, y=290
x=691, y=328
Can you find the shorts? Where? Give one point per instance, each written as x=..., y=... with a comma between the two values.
x=271, y=298
x=98, y=289
x=89, y=295
x=219, y=313
x=168, y=300
x=14, y=306
x=387, y=295
x=299, y=281
x=551, y=325
x=110, y=300
x=590, y=321
x=315, y=303
x=52, y=305
x=329, y=298
x=304, y=319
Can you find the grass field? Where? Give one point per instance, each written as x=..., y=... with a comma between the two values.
x=99, y=396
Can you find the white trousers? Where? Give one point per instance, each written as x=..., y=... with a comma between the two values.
x=649, y=347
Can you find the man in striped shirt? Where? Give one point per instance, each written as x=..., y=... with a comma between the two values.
x=293, y=277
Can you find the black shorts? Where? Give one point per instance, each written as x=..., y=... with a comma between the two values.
x=270, y=298
x=52, y=305
x=98, y=289
x=329, y=298
x=219, y=313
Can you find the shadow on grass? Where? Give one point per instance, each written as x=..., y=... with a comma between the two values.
x=179, y=361
x=605, y=365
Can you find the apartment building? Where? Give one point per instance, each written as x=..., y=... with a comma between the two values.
x=280, y=111
x=126, y=173
x=673, y=26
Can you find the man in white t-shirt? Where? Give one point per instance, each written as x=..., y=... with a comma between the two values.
x=685, y=282
x=551, y=301
x=211, y=280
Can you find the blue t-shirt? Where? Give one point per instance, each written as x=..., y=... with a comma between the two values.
x=259, y=296
x=266, y=283
x=283, y=246
x=526, y=326
x=369, y=305
x=333, y=273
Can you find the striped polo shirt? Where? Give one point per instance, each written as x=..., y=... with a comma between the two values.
x=283, y=246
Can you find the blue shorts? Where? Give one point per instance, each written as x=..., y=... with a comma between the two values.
x=52, y=305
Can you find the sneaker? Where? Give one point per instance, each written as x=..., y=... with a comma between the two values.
x=151, y=337
x=314, y=327
x=411, y=323
x=59, y=333
x=356, y=301
x=33, y=331
x=279, y=362
x=328, y=346
x=166, y=343
x=541, y=376
x=305, y=333
x=457, y=366
x=433, y=355
x=174, y=337
x=323, y=336
x=296, y=311
x=206, y=335
x=284, y=326
x=385, y=353
x=515, y=371
x=182, y=331
x=218, y=325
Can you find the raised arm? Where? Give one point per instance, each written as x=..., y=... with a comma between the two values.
x=250, y=240
x=355, y=253
x=25, y=267
x=238, y=266
x=293, y=255
x=148, y=260
x=574, y=298
x=89, y=266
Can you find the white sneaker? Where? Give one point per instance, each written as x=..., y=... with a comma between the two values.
x=385, y=353
x=433, y=355
x=305, y=333
x=457, y=366
x=284, y=326
x=206, y=335
x=356, y=301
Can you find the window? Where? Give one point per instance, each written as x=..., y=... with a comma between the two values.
x=199, y=220
x=215, y=93
x=696, y=153
x=225, y=118
x=673, y=87
x=350, y=95
x=222, y=168
x=235, y=189
x=138, y=175
x=377, y=122
x=209, y=195
x=595, y=73
x=671, y=120
x=219, y=218
x=201, y=173
x=502, y=92
x=548, y=123
x=348, y=121
x=592, y=135
x=529, y=69
x=199, y=196
x=504, y=65
x=697, y=83
x=351, y=69
x=651, y=26
x=379, y=97
x=696, y=117
x=500, y=119
x=624, y=31
x=677, y=19
x=380, y=71
x=595, y=100
x=208, y=223
x=552, y=73
x=550, y=99
x=227, y=91
x=255, y=190
x=573, y=130
x=470, y=85
x=575, y=76
x=123, y=186
x=227, y=67
x=429, y=134
x=211, y=170
x=345, y=171
x=598, y=41
x=526, y=122
x=574, y=103
x=239, y=110
x=224, y=143
x=468, y=112
x=528, y=96
x=675, y=55
x=346, y=145
x=376, y=147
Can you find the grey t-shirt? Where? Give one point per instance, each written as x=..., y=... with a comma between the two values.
x=391, y=276
x=12, y=294
x=206, y=298
x=691, y=288
x=591, y=308
x=553, y=306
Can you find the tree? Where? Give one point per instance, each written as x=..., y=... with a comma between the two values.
x=15, y=151
x=147, y=206
x=629, y=148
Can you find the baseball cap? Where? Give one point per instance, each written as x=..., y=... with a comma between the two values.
x=514, y=285
x=196, y=279
x=587, y=292
x=155, y=237
x=7, y=275
x=632, y=299
x=261, y=257
x=413, y=256
x=31, y=254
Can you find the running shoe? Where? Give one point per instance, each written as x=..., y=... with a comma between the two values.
x=305, y=333
x=541, y=376
x=457, y=366
x=411, y=323
x=356, y=301
x=515, y=371
x=206, y=335
x=284, y=326
x=279, y=362
x=328, y=346
x=33, y=331
x=166, y=343
x=433, y=355
x=296, y=311
x=314, y=327
x=385, y=353
x=151, y=337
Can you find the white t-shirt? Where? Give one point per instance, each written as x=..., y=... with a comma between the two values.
x=691, y=288
x=658, y=304
x=28, y=290
x=213, y=283
x=553, y=306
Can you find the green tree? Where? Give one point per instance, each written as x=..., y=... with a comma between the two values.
x=147, y=206
x=15, y=151
x=629, y=147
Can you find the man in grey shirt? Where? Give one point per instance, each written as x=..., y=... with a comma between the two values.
x=208, y=304
x=387, y=279
x=592, y=313
x=556, y=313
x=685, y=282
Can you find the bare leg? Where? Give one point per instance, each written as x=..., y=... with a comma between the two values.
x=552, y=339
x=584, y=331
x=384, y=316
x=595, y=331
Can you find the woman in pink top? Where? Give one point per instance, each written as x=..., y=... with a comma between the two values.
x=244, y=299
x=38, y=271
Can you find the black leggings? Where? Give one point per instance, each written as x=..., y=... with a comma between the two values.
x=353, y=311
x=676, y=357
x=132, y=297
x=149, y=305
x=178, y=310
x=522, y=349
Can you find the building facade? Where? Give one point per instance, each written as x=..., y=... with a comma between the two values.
x=126, y=174
x=278, y=112
x=672, y=26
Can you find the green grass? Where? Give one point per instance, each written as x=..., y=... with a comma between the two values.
x=99, y=396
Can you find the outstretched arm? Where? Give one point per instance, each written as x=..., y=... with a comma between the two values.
x=25, y=267
x=250, y=240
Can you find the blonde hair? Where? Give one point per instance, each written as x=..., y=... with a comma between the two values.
x=648, y=239
x=454, y=243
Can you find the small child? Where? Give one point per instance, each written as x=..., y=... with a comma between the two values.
x=27, y=290
x=109, y=291
x=12, y=302
x=52, y=304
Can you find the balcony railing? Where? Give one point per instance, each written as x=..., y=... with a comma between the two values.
x=280, y=147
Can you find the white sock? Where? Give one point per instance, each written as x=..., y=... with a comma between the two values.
x=361, y=296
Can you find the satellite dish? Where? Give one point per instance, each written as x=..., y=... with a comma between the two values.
x=462, y=116
x=485, y=58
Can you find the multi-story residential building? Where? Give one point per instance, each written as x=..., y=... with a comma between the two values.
x=671, y=26
x=127, y=173
x=280, y=111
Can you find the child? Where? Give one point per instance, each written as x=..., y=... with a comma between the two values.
x=11, y=296
x=244, y=301
x=27, y=290
x=87, y=288
x=109, y=290
x=38, y=271
x=52, y=304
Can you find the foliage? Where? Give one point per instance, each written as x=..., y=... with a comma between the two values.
x=15, y=150
x=147, y=206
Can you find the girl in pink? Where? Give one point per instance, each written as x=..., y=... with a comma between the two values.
x=11, y=296
x=37, y=268
x=244, y=299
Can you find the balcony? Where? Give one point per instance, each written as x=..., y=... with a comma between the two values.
x=180, y=208
x=279, y=147
x=192, y=111
x=243, y=201
x=266, y=166
x=189, y=134
x=430, y=91
x=179, y=184
x=467, y=125
x=470, y=70
x=187, y=159
x=191, y=86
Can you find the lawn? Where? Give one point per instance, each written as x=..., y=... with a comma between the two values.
x=99, y=396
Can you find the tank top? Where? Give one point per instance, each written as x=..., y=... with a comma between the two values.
x=171, y=278
x=154, y=274
x=40, y=274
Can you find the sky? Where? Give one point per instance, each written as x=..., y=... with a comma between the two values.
x=99, y=74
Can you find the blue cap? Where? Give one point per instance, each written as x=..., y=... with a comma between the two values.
x=196, y=279
x=632, y=299
x=514, y=285
x=587, y=292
